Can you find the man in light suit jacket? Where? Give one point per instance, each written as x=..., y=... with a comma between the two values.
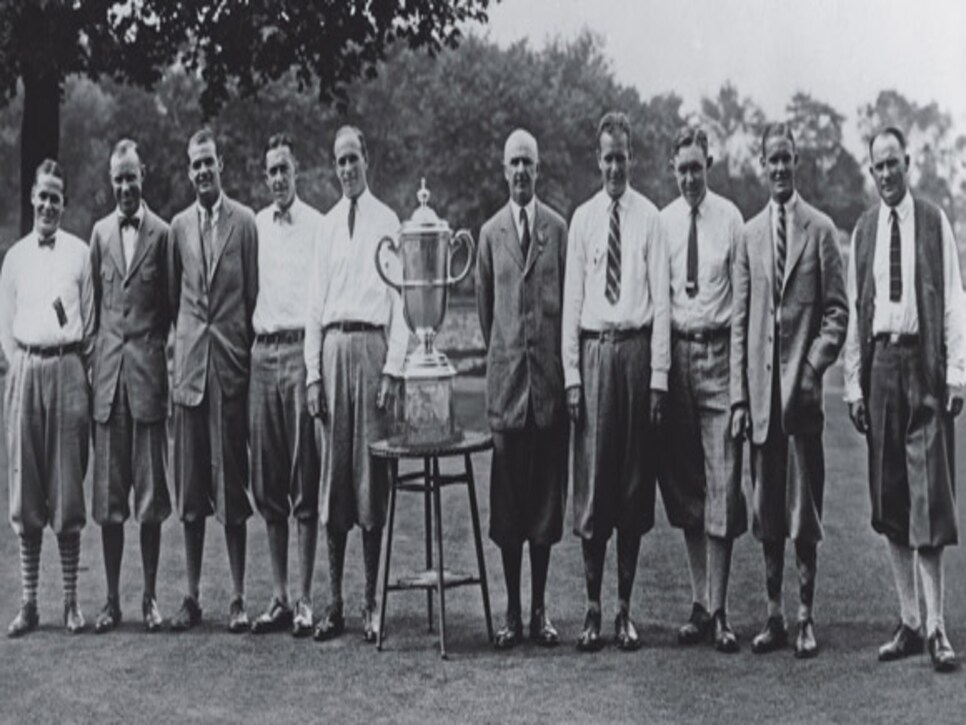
x=213, y=288
x=519, y=291
x=788, y=325
x=129, y=257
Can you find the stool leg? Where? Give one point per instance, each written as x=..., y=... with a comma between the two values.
x=393, y=475
x=475, y=516
x=440, y=583
x=428, y=531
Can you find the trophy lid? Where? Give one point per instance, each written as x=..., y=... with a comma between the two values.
x=424, y=219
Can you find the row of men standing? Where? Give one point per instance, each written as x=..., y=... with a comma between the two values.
x=683, y=332
x=238, y=289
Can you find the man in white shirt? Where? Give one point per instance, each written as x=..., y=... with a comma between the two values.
x=46, y=331
x=905, y=367
x=283, y=442
x=700, y=474
x=615, y=350
x=355, y=341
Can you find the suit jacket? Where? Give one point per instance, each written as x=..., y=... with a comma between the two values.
x=213, y=316
x=813, y=317
x=132, y=315
x=519, y=303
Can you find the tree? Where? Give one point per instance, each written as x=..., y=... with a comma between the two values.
x=230, y=45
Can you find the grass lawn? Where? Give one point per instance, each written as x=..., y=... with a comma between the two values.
x=208, y=675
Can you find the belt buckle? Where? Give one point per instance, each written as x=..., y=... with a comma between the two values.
x=700, y=336
x=894, y=338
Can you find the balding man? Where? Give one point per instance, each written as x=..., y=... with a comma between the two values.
x=519, y=290
x=905, y=368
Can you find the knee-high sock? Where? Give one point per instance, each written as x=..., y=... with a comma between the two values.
x=371, y=542
x=236, y=540
x=628, y=547
x=512, y=556
x=931, y=565
x=806, y=560
x=774, y=551
x=112, y=541
x=308, y=536
x=150, y=556
x=903, y=561
x=69, y=545
x=194, y=548
x=593, y=570
x=539, y=566
x=335, y=543
x=30, y=564
x=697, y=545
x=719, y=571
x=278, y=553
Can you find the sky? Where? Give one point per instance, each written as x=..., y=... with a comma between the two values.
x=840, y=51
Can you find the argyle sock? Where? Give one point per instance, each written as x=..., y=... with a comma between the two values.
x=806, y=559
x=628, y=548
x=719, y=565
x=593, y=570
x=30, y=565
x=539, y=565
x=371, y=542
x=931, y=566
x=774, y=551
x=903, y=561
x=697, y=546
x=69, y=545
x=335, y=541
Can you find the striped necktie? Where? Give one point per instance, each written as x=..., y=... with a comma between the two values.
x=780, y=245
x=525, y=236
x=613, y=289
x=895, y=259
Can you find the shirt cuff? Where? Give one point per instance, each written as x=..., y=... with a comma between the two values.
x=955, y=376
x=659, y=380
x=572, y=378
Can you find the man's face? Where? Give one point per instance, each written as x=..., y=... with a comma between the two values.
x=204, y=170
x=890, y=164
x=520, y=165
x=126, y=179
x=47, y=197
x=350, y=164
x=280, y=175
x=691, y=171
x=613, y=158
x=779, y=161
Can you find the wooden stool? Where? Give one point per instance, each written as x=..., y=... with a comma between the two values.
x=430, y=482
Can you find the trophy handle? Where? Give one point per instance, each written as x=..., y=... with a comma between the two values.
x=382, y=244
x=461, y=238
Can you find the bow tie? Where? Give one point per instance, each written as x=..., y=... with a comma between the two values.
x=282, y=216
x=130, y=221
x=46, y=241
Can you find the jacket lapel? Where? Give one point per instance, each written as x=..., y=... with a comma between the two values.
x=762, y=247
x=145, y=240
x=116, y=249
x=800, y=227
x=510, y=238
x=538, y=238
x=226, y=226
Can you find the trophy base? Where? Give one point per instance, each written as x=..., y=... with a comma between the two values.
x=428, y=418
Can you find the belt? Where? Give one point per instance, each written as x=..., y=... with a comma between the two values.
x=53, y=350
x=896, y=339
x=615, y=334
x=351, y=326
x=702, y=336
x=280, y=337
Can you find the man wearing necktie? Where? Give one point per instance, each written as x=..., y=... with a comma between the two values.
x=905, y=367
x=129, y=258
x=284, y=445
x=46, y=332
x=519, y=290
x=700, y=473
x=615, y=352
x=355, y=343
x=213, y=286
x=788, y=325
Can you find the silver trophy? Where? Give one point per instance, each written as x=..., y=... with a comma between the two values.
x=425, y=253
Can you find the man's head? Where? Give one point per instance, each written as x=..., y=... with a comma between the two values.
x=351, y=160
x=614, y=152
x=127, y=176
x=280, y=169
x=204, y=167
x=48, y=197
x=779, y=159
x=521, y=162
x=690, y=163
x=889, y=164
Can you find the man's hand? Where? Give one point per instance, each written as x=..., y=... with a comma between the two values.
x=575, y=400
x=740, y=422
x=859, y=416
x=315, y=401
x=954, y=400
x=656, y=412
x=810, y=381
x=387, y=393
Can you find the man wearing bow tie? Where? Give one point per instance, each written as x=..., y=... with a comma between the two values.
x=129, y=257
x=46, y=331
x=284, y=447
x=213, y=288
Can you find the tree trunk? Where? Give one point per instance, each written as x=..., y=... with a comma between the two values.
x=39, y=135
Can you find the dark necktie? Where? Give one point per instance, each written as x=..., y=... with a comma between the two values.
x=46, y=241
x=206, y=240
x=895, y=259
x=282, y=216
x=131, y=222
x=613, y=290
x=780, y=243
x=525, y=237
x=352, y=217
x=692, y=284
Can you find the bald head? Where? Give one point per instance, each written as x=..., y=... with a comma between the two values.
x=520, y=164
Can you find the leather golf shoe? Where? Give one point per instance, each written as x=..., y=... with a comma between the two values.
x=725, y=639
x=943, y=656
x=625, y=632
x=302, y=621
x=238, y=621
x=276, y=618
x=151, y=615
x=188, y=616
x=73, y=617
x=772, y=637
x=109, y=617
x=905, y=642
x=542, y=630
x=511, y=633
x=331, y=625
x=370, y=631
x=26, y=620
x=806, y=646
x=697, y=628
x=590, y=639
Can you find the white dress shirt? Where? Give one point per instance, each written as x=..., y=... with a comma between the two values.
x=719, y=225
x=530, y=210
x=129, y=235
x=902, y=317
x=644, y=291
x=346, y=286
x=286, y=253
x=32, y=279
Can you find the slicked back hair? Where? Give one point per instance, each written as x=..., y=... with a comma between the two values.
x=49, y=167
x=612, y=123
x=690, y=136
x=779, y=130
x=893, y=131
x=343, y=130
x=202, y=135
